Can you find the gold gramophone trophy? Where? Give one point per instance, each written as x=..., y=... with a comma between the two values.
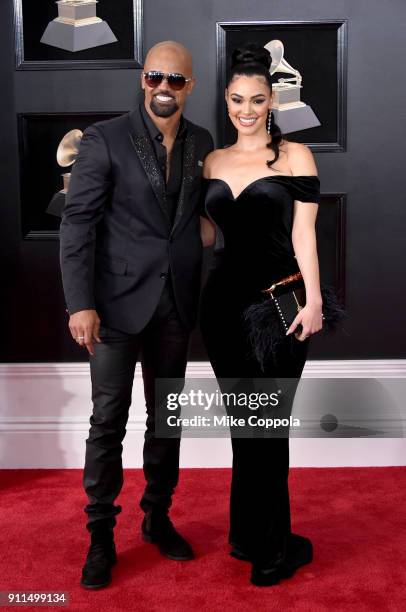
x=290, y=113
x=66, y=155
x=77, y=27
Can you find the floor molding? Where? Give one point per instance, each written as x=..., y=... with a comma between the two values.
x=394, y=368
x=45, y=410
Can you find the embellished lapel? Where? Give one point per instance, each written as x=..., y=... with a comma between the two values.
x=189, y=151
x=145, y=151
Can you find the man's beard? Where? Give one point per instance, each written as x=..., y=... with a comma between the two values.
x=163, y=110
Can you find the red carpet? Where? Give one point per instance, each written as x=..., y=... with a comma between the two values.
x=356, y=518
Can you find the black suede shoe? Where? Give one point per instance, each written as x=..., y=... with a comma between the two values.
x=299, y=552
x=158, y=529
x=265, y=577
x=96, y=572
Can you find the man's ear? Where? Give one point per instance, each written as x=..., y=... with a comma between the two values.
x=191, y=84
x=142, y=81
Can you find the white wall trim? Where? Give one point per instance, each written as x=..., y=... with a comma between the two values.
x=45, y=410
x=368, y=368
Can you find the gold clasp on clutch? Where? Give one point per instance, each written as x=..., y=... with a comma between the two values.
x=299, y=307
x=284, y=281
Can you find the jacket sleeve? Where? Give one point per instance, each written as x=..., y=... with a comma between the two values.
x=210, y=144
x=89, y=190
x=204, y=184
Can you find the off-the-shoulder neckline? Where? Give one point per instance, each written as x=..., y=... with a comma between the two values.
x=262, y=178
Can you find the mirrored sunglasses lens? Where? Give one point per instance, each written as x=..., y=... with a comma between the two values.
x=153, y=80
x=176, y=81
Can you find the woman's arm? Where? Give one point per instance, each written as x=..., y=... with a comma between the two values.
x=305, y=246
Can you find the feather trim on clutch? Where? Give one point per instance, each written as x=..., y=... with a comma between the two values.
x=268, y=320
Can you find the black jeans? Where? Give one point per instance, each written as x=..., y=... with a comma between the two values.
x=162, y=346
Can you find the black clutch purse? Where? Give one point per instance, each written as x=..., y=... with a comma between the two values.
x=268, y=320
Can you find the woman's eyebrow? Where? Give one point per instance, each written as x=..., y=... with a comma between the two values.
x=252, y=97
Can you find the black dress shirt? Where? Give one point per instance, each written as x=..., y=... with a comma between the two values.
x=174, y=183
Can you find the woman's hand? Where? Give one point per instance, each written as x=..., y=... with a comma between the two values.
x=207, y=232
x=310, y=317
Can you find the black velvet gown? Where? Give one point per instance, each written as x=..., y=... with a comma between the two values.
x=257, y=250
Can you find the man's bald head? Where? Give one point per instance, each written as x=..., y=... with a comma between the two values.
x=167, y=57
x=169, y=52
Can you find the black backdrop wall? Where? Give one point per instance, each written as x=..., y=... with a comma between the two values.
x=370, y=172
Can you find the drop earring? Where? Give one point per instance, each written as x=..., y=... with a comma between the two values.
x=270, y=122
x=269, y=162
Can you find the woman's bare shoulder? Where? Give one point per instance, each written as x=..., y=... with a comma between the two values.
x=300, y=158
x=212, y=160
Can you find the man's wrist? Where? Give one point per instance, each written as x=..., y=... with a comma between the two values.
x=72, y=310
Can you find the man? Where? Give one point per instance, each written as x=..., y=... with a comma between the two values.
x=131, y=264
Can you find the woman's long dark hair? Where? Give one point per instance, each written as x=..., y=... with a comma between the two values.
x=254, y=60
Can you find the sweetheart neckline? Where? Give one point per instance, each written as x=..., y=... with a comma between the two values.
x=262, y=178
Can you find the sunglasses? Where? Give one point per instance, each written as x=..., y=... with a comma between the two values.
x=176, y=81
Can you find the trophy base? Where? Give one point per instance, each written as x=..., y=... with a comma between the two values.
x=57, y=204
x=77, y=38
x=286, y=94
x=295, y=119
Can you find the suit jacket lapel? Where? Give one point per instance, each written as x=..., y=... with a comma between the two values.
x=145, y=151
x=189, y=151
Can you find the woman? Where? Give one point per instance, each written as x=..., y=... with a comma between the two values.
x=262, y=194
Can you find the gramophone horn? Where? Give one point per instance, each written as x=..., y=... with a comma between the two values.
x=276, y=49
x=279, y=64
x=68, y=148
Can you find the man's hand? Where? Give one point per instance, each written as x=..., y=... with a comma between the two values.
x=84, y=327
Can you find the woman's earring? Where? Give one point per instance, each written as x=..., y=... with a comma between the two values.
x=270, y=122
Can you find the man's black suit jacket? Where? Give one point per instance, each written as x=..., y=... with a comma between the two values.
x=116, y=242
